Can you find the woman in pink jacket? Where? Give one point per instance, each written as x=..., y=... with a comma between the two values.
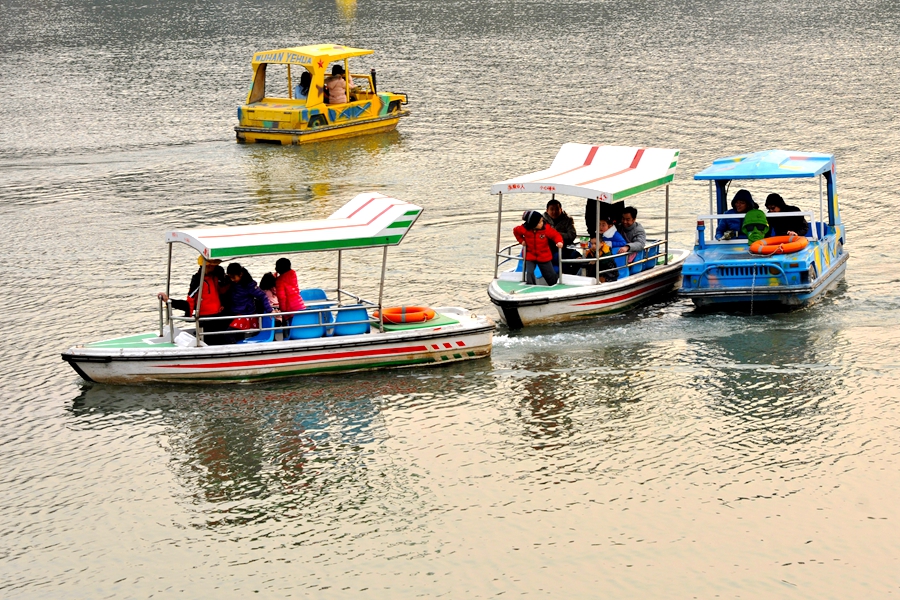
x=286, y=288
x=536, y=237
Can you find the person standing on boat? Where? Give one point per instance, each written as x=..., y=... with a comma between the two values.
x=557, y=218
x=633, y=232
x=286, y=288
x=536, y=236
x=784, y=225
x=740, y=204
x=243, y=295
x=211, y=299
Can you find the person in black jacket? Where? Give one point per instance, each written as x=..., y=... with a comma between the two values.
x=557, y=218
x=795, y=225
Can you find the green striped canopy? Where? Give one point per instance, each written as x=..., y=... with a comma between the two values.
x=369, y=220
x=605, y=173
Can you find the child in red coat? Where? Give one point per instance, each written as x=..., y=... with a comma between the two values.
x=536, y=237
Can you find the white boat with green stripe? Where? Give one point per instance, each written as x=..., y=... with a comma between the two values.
x=604, y=177
x=339, y=331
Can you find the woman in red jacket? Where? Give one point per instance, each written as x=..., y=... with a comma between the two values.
x=536, y=237
x=286, y=288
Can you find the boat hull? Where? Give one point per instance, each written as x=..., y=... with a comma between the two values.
x=468, y=339
x=535, y=305
x=287, y=137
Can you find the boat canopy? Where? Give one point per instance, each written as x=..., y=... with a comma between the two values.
x=318, y=54
x=769, y=164
x=605, y=173
x=369, y=220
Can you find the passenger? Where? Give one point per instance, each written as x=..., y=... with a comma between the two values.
x=301, y=90
x=755, y=225
x=614, y=211
x=536, y=236
x=740, y=204
x=336, y=86
x=267, y=285
x=633, y=233
x=243, y=296
x=785, y=225
x=557, y=218
x=286, y=289
x=211, y=305
x=611, y=242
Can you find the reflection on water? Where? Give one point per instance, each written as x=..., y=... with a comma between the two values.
x=662, y=452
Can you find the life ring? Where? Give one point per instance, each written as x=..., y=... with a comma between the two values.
x=782, y=244
x=407, y=314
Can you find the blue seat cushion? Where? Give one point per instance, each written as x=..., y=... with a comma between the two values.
x=305, y=333
x=354, y=312
x=263, y=336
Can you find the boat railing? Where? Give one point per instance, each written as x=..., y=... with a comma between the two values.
x=714, y=220
x=326, y=310
x=507, y=254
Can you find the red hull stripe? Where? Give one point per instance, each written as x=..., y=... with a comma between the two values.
x=634, y=163
x=299, y=359
x=631, y=294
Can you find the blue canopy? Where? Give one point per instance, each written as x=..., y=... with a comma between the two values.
x=769, y=164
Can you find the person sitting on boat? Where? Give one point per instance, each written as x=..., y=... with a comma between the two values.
x=242, y=297
x=535, y=235
x=336, y=86
x=564, y=225
x=784, y=225
x=614, y=211
x=633, y=233
x=301, y=90
x=755, y=225
x=211, y=304
x=267, y=285
x=611, y=241
x=740, y=204
x=286, y=288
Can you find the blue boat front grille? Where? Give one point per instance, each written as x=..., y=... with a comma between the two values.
x=744, y=272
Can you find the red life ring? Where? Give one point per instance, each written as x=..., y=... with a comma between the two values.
x=782, y=244
x=407, y=314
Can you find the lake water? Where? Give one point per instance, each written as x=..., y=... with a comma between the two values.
x=658, y=453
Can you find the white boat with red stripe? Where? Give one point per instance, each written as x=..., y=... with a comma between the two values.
x=339, y=331
x=603, y=177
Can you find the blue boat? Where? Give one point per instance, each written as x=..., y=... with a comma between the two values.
x=722, y=272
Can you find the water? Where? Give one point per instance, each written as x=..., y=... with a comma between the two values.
x=659, y=453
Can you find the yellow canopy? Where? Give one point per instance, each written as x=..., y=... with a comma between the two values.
x=317, y=55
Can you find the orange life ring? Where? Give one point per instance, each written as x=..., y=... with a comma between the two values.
x=407, y=314
x=782, y=244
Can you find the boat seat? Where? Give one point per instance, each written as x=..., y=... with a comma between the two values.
x=263, y=336
x=620, y=261
x=353, y=312
x=318, y=296
x=305, y=333
x=636, y=266
x=821, y=229
x=651, y=252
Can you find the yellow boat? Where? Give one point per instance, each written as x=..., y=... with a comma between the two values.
x=276, y=111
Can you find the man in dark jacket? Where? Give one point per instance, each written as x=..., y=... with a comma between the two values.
x=796, y=225
x=557, y=218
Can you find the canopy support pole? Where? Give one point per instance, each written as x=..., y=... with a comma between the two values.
x=290, y=87
x=340, y=255
x=197, y=329
x=497, y=248
x=667, y=223
x=821, y=205
x=168, y=303
x=381, y=290
x=597, y=238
